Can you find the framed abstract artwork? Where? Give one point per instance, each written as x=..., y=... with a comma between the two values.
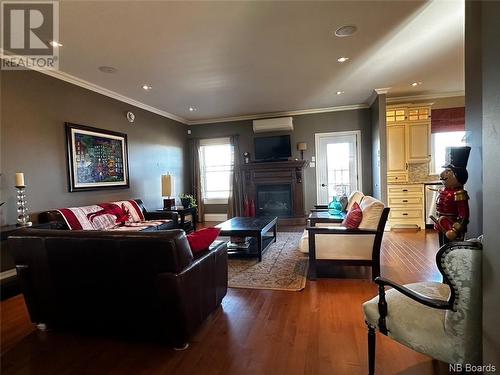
x=97, y=158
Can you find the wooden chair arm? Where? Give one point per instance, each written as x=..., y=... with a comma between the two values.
x=382, y=303
x=430, y=302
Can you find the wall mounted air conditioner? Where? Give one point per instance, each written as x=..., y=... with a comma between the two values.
x=273, y=125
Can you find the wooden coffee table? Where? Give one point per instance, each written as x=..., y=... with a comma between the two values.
x=262, y=231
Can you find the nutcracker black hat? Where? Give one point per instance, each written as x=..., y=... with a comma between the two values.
x=456, y=159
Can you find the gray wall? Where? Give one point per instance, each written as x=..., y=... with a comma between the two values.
x=379, y=148
x=305, y=126
x=491, y=181
x=482, y=85
x=473, y=115
x=34, y=110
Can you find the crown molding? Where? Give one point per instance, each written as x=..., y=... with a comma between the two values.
x=382, y=90
x=376, y=93
x=449, y=94
x=278, y=114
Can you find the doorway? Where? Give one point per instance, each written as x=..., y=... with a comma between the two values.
x=338, y=169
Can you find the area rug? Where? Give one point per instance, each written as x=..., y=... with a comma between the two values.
x=283, y=267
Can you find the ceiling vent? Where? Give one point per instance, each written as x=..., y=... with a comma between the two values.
x=280, y=124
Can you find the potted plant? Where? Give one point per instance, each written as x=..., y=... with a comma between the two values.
x=187, y=200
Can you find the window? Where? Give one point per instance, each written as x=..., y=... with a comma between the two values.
x=439, y=143
x=216, y=165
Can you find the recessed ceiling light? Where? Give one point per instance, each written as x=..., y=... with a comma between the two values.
x=414, y=84
x=107, y=69
x=340, y=92
x=342, y=59
x=345, y=31
x=147, y=87
x=54, y=43
x=192, y=109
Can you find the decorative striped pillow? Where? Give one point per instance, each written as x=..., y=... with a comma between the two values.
x=353, y=217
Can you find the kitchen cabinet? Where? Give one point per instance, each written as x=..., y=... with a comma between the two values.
x=396, y=115
x=408, y=138
x=421, y=113
x=407, y=205
x=418, y=142
x=396, y=148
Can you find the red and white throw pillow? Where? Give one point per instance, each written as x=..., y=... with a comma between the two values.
x=353, y=217
x=202, y=239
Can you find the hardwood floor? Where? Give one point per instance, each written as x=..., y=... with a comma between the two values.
x=319, y=330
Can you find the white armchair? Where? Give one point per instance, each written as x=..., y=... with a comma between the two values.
x=336, y=244
x=442, y=320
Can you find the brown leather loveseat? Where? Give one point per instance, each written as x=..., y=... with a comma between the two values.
x=144, y=283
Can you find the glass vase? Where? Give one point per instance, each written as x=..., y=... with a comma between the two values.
x=335, y=207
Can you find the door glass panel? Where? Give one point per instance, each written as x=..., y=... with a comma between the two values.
x=337, y=166
x=340, y=164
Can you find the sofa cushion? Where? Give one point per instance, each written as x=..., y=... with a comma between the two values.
x=144, y=226
x=353, y=217
x=202, y=239
x=354, y=197
x=372, y=211
x=340, y=246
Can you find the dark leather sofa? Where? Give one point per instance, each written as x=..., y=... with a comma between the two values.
x=56, y=220
x=147, y=284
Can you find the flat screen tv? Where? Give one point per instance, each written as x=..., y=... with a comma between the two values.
x=272, y=148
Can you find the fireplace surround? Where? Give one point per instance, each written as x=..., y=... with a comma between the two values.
x=277, y=189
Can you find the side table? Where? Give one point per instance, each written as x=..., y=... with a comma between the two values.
x=188, y=226
x=324, y=217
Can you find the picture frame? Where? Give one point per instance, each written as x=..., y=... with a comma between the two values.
x=97, y=158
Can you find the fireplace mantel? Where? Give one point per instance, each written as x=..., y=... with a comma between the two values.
x=277, y=173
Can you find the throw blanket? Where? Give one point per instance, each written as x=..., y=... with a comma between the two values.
x=103, y=216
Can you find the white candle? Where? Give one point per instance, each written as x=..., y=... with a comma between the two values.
x=20, y=179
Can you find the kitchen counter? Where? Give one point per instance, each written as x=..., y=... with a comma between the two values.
x=414, y=183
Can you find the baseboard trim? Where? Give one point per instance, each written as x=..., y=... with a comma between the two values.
x=215, y=217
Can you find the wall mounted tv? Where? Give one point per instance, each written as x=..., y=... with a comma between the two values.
x=272, y=148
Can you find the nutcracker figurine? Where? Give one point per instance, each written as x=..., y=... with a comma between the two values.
x=452, y=203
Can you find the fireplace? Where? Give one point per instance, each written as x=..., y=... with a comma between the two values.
x=274, y=200
x=277, y=189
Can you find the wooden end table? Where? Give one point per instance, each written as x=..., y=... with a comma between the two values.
x=183, y=212
x=324, y=217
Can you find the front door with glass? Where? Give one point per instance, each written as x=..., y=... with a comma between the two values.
x=338, y=169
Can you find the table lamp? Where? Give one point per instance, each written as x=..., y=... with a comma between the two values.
x=167, y=189
x=302, y=146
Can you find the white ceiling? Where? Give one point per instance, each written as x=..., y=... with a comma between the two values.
x=237, y=58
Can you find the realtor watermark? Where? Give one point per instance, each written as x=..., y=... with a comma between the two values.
x=29, y=35
x=470, y=368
